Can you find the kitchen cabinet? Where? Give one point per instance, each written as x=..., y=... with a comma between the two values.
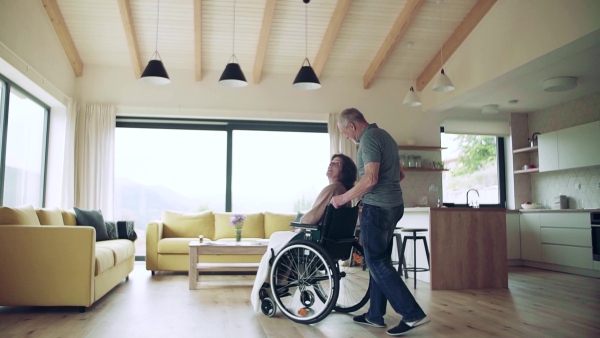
x=566, y=239
x=548, y=151
x=579, y=146
x=531, y=246
x=422, y=151
x=513, y=236
x=569, y=148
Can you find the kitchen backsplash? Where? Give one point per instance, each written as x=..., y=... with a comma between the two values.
x=418, y=184
x=566, y=182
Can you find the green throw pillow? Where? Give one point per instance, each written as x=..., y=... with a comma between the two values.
x=94, y=219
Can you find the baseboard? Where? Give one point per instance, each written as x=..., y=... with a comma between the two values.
x=562, y=268
x=515, y=262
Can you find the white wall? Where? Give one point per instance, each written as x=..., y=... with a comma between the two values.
x=274, y=98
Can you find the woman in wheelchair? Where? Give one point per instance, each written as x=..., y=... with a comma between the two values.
x=303, y=274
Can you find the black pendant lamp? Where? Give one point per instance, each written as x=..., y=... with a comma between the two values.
x=155, y=72
x=307, y=78
x=232, y=75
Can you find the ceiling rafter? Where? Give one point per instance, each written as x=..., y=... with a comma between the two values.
x=333, y=29
x=62, y=31
x=132, y=44
x=198, y=38
x=408, y=14
x=479, y=10
x=263, y=40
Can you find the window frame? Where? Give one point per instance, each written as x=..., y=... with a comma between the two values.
x=4, y=113
x=221, y=125
x=501, y=172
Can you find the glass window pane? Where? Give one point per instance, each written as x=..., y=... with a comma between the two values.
x=24, y=166
x=166, y=169
x=278, y=171
x=473, y=164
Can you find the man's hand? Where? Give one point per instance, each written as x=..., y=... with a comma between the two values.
x=338, y=201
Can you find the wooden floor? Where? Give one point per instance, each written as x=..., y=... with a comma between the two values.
x=538, y=303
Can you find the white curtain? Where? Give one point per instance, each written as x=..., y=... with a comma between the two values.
x=337, y=141
x=95, y=159
x=68, y=181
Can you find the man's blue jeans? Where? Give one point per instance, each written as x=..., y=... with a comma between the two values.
x=377, y=226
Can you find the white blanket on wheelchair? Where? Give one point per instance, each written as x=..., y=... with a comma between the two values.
x=277, y=241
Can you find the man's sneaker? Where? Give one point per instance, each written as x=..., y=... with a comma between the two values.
x=404, y=327
x=362, y=319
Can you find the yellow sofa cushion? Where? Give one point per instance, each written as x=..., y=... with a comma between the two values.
x=50, y=216
x=176, y=224
x=122, y=249
x=253, y=226
x=18, y=216
x=105, y=259
x=69, y=217
x=277, y=222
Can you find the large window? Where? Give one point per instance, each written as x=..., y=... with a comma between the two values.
x=474, y=162
x=24, y=138
x=195, y=165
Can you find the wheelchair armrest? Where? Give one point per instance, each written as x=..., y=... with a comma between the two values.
x=305, y=226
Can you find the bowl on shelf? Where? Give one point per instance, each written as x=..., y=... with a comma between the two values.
x=531, y=206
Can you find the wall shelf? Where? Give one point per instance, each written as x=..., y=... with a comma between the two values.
x=424, y=169
x=525, y=150
x=421, y=148
x=527, y=171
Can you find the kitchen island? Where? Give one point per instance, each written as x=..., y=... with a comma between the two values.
x=467, y=247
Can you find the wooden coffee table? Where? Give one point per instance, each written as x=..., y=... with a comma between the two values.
x=229, y=248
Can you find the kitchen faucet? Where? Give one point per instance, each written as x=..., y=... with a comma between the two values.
x=475, y=204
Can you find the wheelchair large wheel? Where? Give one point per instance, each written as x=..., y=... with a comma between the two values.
x=354, y=282
x=304, y=282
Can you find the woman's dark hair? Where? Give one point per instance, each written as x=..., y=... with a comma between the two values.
x=348, y=175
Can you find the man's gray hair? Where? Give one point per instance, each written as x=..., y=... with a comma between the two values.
x=350, y=115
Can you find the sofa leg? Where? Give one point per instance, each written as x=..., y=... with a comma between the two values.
x=81, y=309
x=127, y=278
x=152, y=272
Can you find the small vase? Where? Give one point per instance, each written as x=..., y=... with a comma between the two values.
x=238, y=236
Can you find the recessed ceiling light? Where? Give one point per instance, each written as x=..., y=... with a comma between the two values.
x=515, y=101
x=559, y=84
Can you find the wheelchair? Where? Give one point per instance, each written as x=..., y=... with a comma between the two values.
x=320, y=270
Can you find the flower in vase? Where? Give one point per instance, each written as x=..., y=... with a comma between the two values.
x=237, y=221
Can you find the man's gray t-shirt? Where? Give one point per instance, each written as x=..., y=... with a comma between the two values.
x=377, y=145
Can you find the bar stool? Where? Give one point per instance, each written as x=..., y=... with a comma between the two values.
x=398, y=237
x=414, y=238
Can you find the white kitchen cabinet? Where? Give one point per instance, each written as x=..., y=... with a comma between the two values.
x=531, y=247
x=579, y=146
x=566, y=239
x=548, y=151
x=574, y=147
x=513, y=236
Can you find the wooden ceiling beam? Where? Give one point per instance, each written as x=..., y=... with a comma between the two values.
x=263, y=40
x=198, y=38
x=62, y=31
x=408, y=14
x=461, y=32
x=134, y=50
x=335, y=25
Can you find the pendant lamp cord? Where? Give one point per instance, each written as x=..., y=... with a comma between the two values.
x=440, y=29
x=157, y=16
x=306, y=29
x=233, y=48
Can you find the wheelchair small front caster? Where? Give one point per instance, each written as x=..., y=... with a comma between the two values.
x=267, y=306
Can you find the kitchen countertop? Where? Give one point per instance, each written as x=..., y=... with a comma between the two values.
x=558, y=210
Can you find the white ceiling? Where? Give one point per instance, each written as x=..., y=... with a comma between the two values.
x=97, y=31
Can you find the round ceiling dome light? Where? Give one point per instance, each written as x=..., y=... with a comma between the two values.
x=490, y=109
x=559, y=84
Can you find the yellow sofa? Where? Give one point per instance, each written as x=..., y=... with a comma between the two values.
x=167, y=240
x=46, y=261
